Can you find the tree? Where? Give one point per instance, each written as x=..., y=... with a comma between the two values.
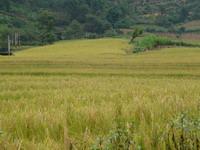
x=180, y=31
x=124, y=23
x=163, y=21
x=183, y=14
x=95, y=24
x=114, y=15
x=4, y=32
x=46, y=23
x=77, y=9
x=5, y=5
x=97, y=6
x=137, y=32
x=74, y=30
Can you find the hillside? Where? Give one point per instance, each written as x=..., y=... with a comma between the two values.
x=75, y=18
x=107, y=55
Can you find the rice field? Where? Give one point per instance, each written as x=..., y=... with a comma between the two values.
x=95, y=94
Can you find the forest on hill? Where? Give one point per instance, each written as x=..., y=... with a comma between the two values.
x=46, y=21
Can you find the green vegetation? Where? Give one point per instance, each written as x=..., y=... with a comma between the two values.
x=150, y=42
x=136, y=33
x=91, y=94
x=44, y=22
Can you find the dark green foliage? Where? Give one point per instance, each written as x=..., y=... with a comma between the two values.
x=180, y=31
x=47, y=37
x=4, y=32
x=184, y=13
x=96, y=25
x=163, y=21
x=74, y=30
x=137, y=32
x=46, y=23
x=5, y=5
x=114, y=15
x=124, y=23
x=93, y=16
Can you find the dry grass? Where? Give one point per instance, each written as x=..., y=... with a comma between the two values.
x=66, y=95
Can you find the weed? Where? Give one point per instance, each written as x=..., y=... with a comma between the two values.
x=184, y=134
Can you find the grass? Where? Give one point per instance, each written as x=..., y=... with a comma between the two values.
x=85, y=93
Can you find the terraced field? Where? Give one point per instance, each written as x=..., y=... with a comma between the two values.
x=73, y=91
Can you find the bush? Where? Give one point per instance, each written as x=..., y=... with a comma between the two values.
x=150, y=42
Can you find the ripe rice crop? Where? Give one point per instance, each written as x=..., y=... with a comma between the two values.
x=90, y=94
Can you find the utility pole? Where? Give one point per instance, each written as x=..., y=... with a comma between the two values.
x=12, y=39
x=9, y=53
x=15, y=38
x=19, y=40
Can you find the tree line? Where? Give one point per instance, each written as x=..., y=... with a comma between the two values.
x=42, y=22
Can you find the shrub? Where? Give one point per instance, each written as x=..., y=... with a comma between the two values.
x=150, y=42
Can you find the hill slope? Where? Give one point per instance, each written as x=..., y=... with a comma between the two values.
x=94, y=16
x=109, y=54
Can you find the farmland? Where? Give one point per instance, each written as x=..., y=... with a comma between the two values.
x=74, y=91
